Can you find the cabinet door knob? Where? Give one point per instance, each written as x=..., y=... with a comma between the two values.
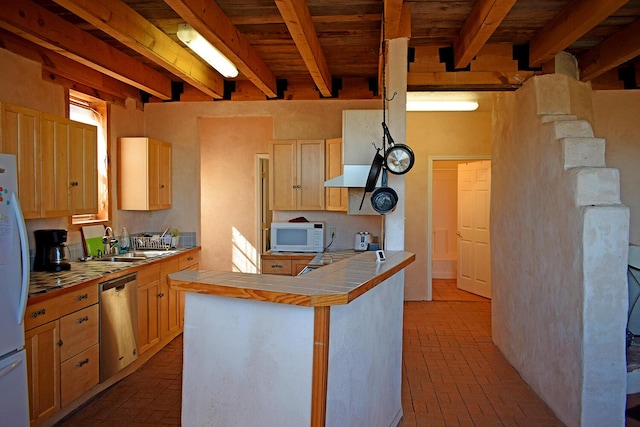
x=83, y=319
x=60, y=343
x=161, y=186
x=40, y=312
x=160, y=295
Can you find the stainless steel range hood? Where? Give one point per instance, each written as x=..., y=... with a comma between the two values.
x=354, y=176
x=360, y=128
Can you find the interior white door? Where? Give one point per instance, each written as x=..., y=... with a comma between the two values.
x=474, y=249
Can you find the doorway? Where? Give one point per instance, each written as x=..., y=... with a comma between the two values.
x=442, y=226
x=264, y=215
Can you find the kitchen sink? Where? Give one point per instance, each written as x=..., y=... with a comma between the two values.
x=134, y=256
x=122, y=258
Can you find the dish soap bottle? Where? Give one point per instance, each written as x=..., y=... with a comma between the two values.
x=124, y=240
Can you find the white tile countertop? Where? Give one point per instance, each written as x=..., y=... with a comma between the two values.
x=338, y=282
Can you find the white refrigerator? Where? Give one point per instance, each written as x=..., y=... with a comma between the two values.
x=14, y=289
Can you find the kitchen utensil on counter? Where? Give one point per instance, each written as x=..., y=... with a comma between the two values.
x=363, y=239
x=51, y=251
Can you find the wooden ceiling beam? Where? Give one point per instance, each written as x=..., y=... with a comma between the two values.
x=124, y=24
x=484, y=19
x=298, y=20
x=45, y=29
x=616, y=50
x=206, y=17
x=58, y=68
x=392, y=18
x=571, y=23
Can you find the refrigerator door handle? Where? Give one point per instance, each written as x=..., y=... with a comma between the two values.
x=24, y=246
x=10, y=367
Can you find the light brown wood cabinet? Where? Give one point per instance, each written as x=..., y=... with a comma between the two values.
x=144, y=174
x=336, y=199
x=284, y=265
x=83, y=168
x=57, y=162
x=188, y=261
x=297, y=174
x=148, y=307
x=21, y=136
x=43, y=370
x=169, y=300
x=69, y=167
x=61, y=340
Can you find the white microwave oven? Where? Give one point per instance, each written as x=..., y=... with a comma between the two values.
x=297, y=236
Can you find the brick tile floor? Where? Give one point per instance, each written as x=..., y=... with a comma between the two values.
x=453, y=375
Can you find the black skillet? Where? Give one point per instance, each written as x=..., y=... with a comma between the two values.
x=374, y=173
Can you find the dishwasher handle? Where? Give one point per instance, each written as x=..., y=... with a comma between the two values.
x=118, y=283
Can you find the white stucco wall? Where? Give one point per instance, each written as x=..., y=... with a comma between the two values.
x=616, y=114
x=559, y=292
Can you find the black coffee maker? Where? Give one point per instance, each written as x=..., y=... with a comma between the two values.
x=51, y=251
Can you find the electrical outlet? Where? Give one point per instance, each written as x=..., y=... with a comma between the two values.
x=332, y=232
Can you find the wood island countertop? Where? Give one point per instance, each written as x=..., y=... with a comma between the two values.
x=334, y=284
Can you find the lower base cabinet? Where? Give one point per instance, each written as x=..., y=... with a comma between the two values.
x=43, y=370
x=284, y=265
x=78, y=374
x=61, y=341
x=62, y=335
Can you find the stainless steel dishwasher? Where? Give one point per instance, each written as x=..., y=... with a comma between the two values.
x=118, y=324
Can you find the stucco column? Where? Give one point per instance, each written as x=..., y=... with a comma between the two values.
x=396, y=74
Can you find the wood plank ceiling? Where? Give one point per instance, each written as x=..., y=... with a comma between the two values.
x=316, y=49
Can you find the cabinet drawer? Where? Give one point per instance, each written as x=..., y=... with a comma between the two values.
x=41, y=313
x=187, y=260
x=276, y=266
x=148, y=274
x=80, y=297
x=79, y=374
x=78, y=331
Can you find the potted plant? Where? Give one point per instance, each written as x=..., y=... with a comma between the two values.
x=175, y=237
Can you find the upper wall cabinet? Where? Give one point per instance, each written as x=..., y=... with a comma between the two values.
x=336, y=198
x=57, y=162
x=21, y=136
x=144, y=174
x=297, y=175
x=83, y=168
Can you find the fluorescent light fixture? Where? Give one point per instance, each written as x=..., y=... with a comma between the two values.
x=441, y=101
x=206, y=51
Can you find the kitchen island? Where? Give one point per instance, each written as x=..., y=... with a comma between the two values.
x=320, y=349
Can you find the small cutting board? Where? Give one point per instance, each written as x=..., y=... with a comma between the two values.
x=92, y=239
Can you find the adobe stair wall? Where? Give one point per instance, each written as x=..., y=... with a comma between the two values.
x=559, y=236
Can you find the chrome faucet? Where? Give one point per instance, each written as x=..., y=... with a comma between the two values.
x=108, y=240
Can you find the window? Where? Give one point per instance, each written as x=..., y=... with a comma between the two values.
x=89, y=110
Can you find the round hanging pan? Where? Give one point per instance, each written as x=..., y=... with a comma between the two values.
x=384, y=200
x=374, y=173
x=399, y=158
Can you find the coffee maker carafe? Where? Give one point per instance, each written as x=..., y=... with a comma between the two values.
x=51, y=250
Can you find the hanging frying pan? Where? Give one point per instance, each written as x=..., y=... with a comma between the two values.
x=384, y=199
x=374, y=173
x=399, y=158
